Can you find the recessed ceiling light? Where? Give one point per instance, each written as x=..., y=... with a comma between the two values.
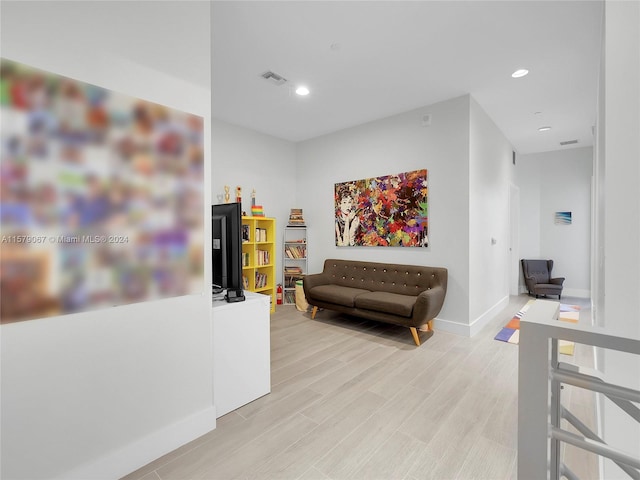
x=520, y=73
x=302, y=91
x=544, y=129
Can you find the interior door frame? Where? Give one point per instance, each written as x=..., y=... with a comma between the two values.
x=514, y=240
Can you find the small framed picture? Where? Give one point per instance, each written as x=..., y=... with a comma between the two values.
x=563, y=218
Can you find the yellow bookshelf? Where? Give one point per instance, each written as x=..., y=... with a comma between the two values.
x=259, y=256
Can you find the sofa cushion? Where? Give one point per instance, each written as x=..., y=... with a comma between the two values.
x=337, y=294
x=386, y=302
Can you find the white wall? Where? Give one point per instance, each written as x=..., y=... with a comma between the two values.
x=99, y=394
x=622, y=164
x=618, y=177
x=388, y=146
x=527, y=179
x=565, y=185
x=490, y=169
x=255, y=161
x=552, y=182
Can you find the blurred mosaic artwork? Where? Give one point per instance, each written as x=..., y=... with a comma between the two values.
x=101, y=197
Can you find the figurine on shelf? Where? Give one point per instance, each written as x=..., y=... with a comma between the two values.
x=239, y=194
x=227, y=196
x=253, y=197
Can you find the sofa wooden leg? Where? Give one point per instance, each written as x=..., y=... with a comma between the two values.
x=430, y=325
x=313, y=312
x=416, y=338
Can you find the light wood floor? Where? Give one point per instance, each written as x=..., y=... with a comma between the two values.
x=353, y=399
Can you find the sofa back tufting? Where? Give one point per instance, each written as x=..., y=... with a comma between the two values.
x=383, y=277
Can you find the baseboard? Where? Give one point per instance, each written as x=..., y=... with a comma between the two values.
x=566, y=292
x=576, y=292
x=480, y=322
x=475, y=326
x=450, y=326
x=141, y=452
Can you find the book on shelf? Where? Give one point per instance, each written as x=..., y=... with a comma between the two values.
x=245, y=282
x=261, y=280
x=296, y=219
x=292, y=270
x=295, y=251
x=245, y=233
x=290, y=280
x=263, y=257
x=261, y=234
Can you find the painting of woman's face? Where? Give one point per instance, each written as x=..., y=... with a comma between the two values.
x=389, y=210
x=346, y=204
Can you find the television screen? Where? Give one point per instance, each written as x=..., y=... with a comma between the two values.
x=226, y=256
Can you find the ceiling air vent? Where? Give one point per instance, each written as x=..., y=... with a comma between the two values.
x=568, y=142
x=274, y=77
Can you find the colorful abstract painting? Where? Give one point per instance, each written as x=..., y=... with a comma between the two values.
x=101, y=197
x=388, y=211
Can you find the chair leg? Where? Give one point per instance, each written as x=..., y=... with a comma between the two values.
x=313, y=312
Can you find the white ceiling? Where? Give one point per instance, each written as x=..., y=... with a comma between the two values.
x=396, y=56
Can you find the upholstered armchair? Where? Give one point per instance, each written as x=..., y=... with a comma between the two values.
x=537, y=276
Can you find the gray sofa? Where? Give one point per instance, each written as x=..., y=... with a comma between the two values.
x=406, y=295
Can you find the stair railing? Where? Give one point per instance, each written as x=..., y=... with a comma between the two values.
x=540, y=411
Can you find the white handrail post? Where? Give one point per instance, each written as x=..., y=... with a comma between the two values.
x=534, y=358
x=554, y=466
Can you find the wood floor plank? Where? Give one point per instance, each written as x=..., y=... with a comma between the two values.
x=319, y=352
x=291, y=352
x=300, y=456
x=439, y=371
x=393, y=459
x=502, y=424
x=354, y=399
x=229, y=422
x=439, y=405
x=229, y=440
x=352, y=387
x=245, y=460
x=354, y=450
x=406, y=373
x=371, y=356
x=447, y=451
x=313, y=474
x=290, y=386
x=488, y=460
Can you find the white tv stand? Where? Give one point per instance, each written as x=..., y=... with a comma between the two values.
x=241, y=352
